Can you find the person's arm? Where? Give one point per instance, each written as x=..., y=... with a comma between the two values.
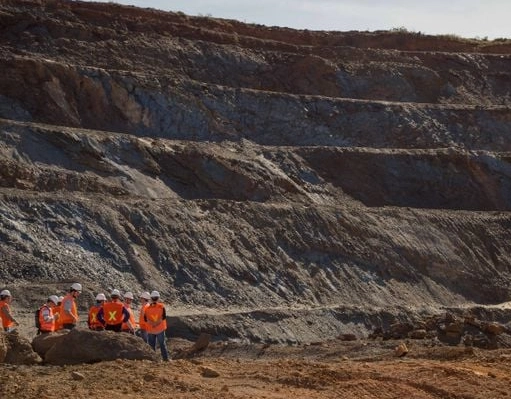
x=46, y=314
x=126, y=319
x=100, y=316
x=6, y=313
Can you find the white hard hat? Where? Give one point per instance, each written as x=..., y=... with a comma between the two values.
x=128, y=295
x=61, y=298
x=145, y=295
x=54, y=299
x=5, y=293
x=115, y=292
x=76, y=287
x=100, y=297
x=155, y=294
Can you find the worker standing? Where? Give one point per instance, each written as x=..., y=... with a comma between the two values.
x=69, y=310
x=57, y=309
x=113, y=313
x=144, y=303
x=128, y=299
x=9, y=323
x=92, y=321
x=156, y=319
x=47, y=317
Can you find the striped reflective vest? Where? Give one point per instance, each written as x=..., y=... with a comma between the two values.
x=92, y=320
x=112, y=313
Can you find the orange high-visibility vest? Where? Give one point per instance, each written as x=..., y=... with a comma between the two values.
x=93, y=321
x=66, y=318
x=4, y=307
x=112, y=313
x=154, y=318
x=46, y=326
x=141, y=322
x=58, y=322
x=132, y=319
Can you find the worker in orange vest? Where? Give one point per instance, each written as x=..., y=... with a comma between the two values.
x=128, y=299
x=93, y=321
x=144, y=303
x=156, y=318
x=9, y=323
x=113, y=313
x=69, y=311
x=57, y=309
x=47, y=317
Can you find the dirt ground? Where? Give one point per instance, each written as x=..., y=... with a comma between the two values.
x=334, y=369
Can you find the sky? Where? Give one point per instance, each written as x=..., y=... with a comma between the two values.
x=481, y=19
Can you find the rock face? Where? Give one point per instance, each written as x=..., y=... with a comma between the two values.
x=272, y=184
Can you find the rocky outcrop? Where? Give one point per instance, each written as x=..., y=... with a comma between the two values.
x=16, y=349
x=42, y=343
x=86, y=346
x=450, y=329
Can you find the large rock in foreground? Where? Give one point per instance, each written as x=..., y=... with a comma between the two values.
x=42, y=343
x=16, y=349
x=86, y=346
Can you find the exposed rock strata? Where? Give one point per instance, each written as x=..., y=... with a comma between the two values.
x=324, y=178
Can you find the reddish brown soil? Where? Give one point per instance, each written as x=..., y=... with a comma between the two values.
x=360, y=369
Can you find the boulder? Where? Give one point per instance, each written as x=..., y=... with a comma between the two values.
x=454, y=328
x=401, y=350
x=418, y=334
x=87, y=346
x=347, y=337
x=208, y=372
x=200, y=344
x=43, y=342
x=400, y=330
x=16, y=349
x=493, y=328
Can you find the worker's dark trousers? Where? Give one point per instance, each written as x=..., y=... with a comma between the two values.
x=113, y=327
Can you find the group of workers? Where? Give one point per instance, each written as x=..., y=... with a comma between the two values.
x=113, y=315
